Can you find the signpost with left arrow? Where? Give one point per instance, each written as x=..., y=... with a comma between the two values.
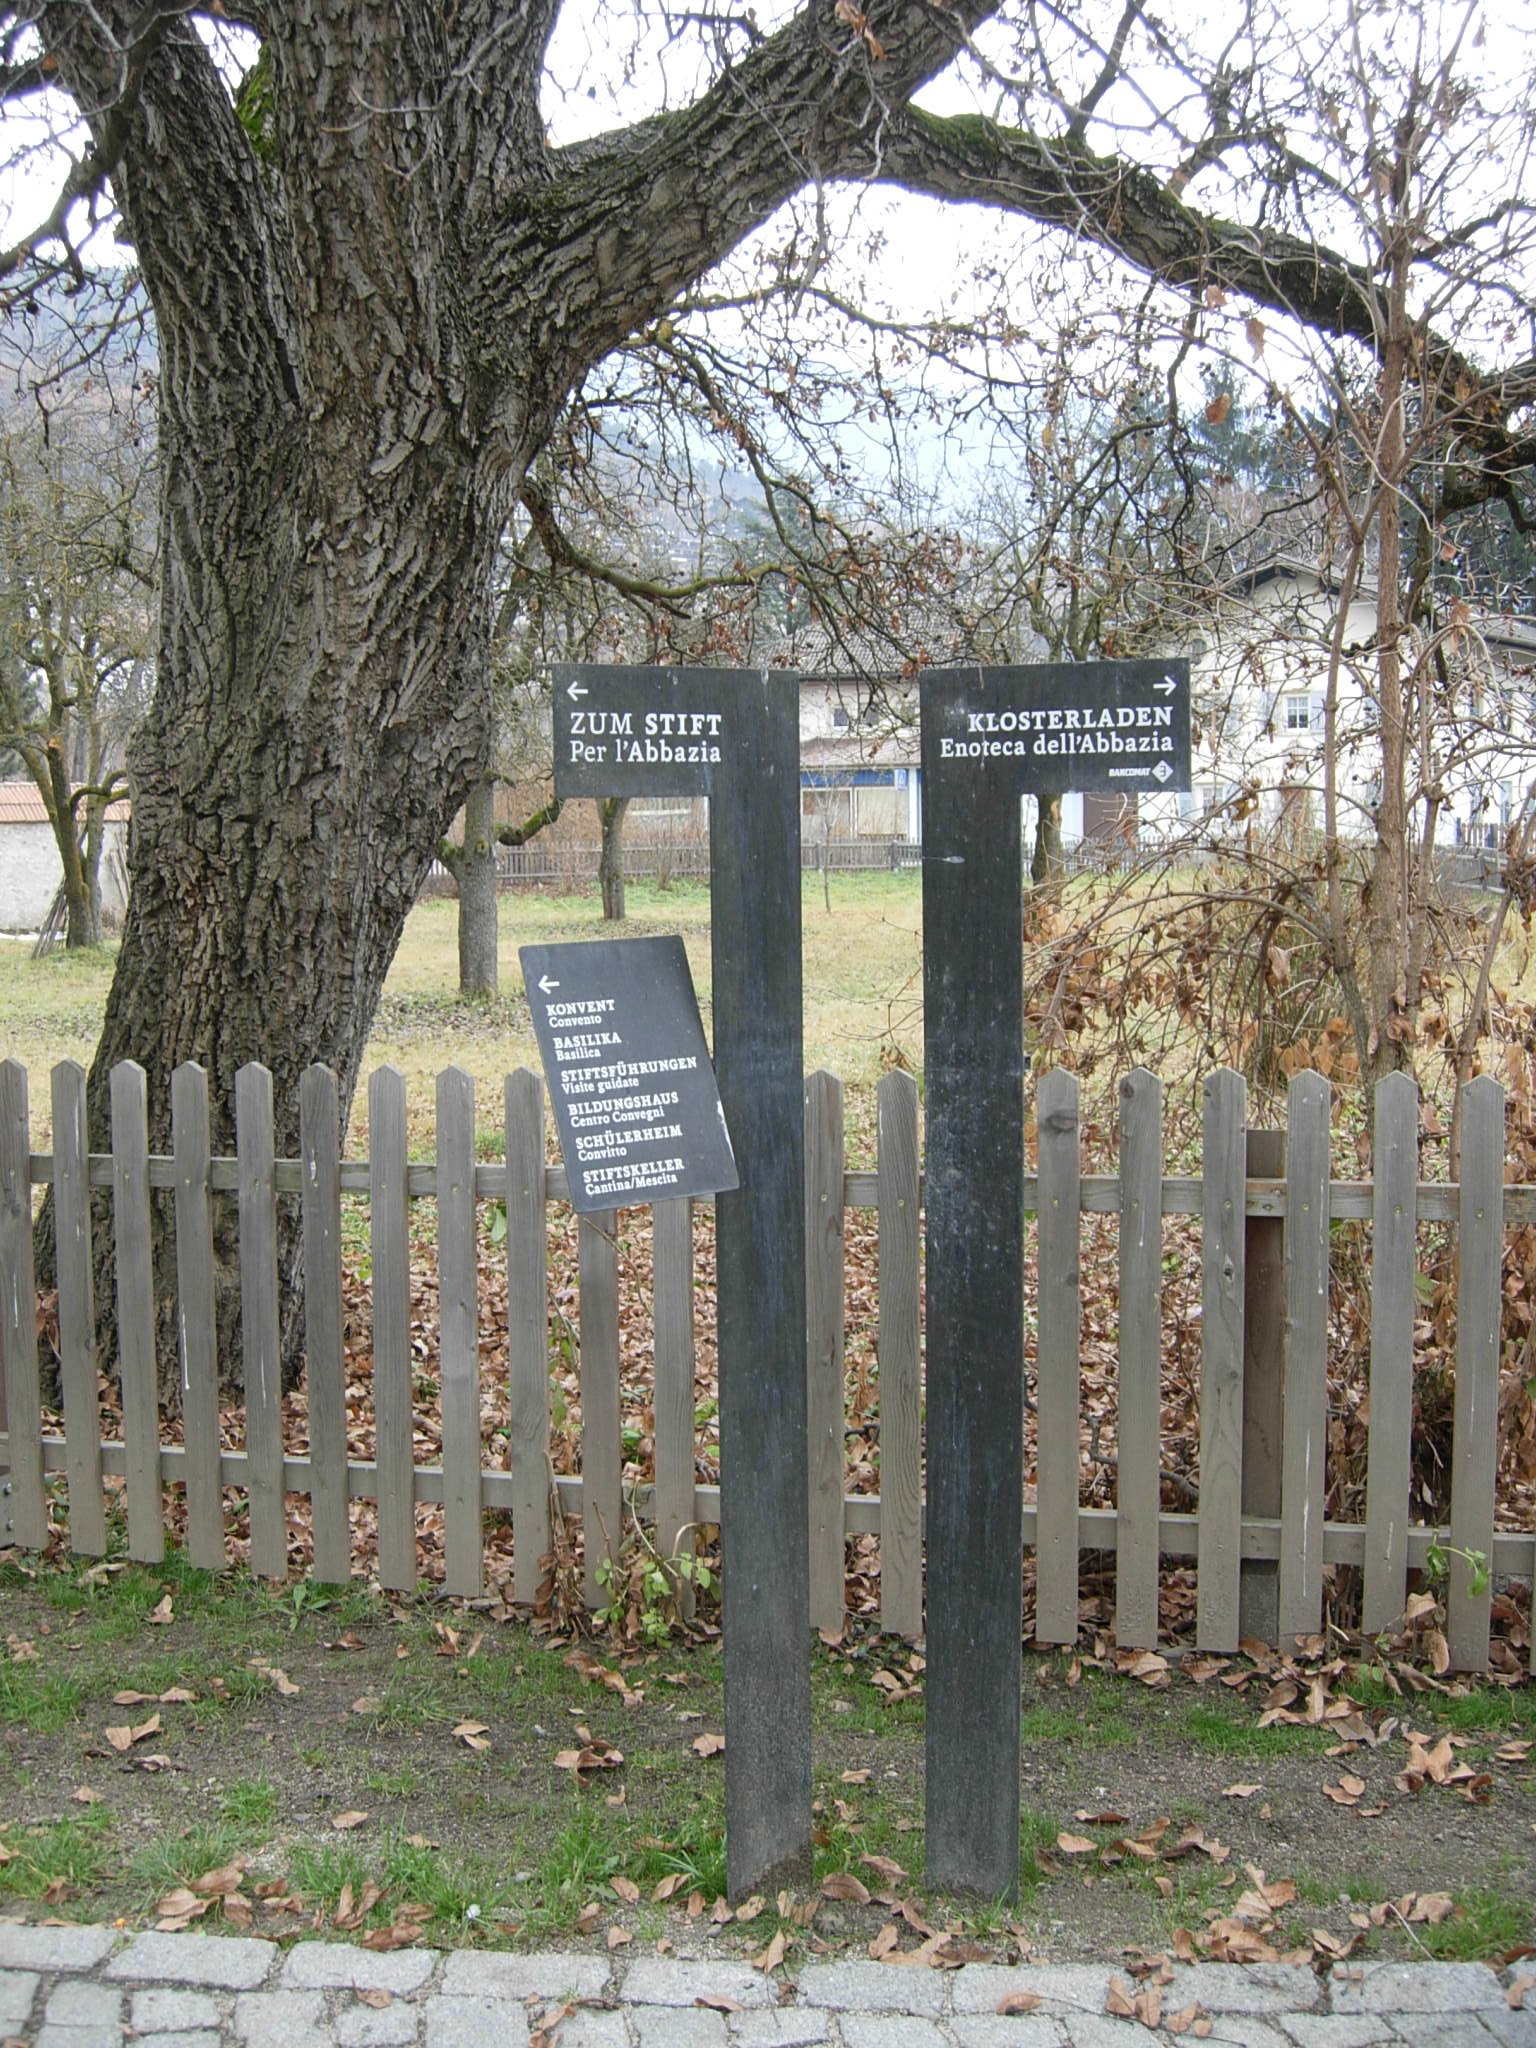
x=732, y=736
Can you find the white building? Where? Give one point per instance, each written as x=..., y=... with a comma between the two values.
x=1260, y=689
x=31, y=872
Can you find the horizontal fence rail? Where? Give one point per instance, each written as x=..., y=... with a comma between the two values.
x=679, y=859
x=1259, y=1536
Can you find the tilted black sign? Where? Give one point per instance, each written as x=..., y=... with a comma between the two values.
x=1087, y=725
x=635, y=1100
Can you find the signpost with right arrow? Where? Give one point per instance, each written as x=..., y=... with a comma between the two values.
x=989, y=737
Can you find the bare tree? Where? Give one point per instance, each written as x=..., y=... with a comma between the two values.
x=76, y=619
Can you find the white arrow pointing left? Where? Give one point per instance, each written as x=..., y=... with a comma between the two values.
x=545, y=984
x=575, y=688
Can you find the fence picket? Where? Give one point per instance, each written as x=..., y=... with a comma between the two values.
x=1258, y=1600
x=897, y=1340
x=527, y=1331
x=1223, y=1206
x=1138, y=1488
x=392, y=1408
x=77, y=1310
x=1304, y=1457
x=1394, y=1264
x=459, y=1332
x=1058, y=1375
x=136, y=1310
x=260, y=1341
x=602, y=1476
x=324, y=1356
x=1479, y=1306
x=20, y=1389
x=196, y=1317
x=673, y=1403
x=824, y=1156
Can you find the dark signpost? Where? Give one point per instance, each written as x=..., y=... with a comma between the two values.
x=734, y=736
x=989, y=736
x=636, y=1106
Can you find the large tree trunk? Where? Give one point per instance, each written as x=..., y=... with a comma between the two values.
x=310, y=737
x=475, y=873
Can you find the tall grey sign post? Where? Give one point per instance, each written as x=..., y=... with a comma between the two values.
x=733, y=735
x=990, y=736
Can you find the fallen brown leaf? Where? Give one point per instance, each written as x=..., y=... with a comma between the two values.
x=772, y=1955
x=1119, y=2001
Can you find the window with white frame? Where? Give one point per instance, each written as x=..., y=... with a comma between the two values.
x=1299, y=711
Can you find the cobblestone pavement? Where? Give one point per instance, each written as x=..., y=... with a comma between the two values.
x=93, y=1987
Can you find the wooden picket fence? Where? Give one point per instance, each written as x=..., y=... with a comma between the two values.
x=1244, y=1517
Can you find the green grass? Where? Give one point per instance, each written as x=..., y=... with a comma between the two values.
x=696, y=1853
x=1235, y=1733
x=1488, y=1923
x=73, y=1852
x=577, y=1864
x=403, y=1783
x=175, y=1860
x=38, y=1697
x=320, y=1870
x=1094, y=1726
x=451, y=1885
x=250, y=1808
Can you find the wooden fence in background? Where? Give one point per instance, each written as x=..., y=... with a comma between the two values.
x=1258, y=1507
